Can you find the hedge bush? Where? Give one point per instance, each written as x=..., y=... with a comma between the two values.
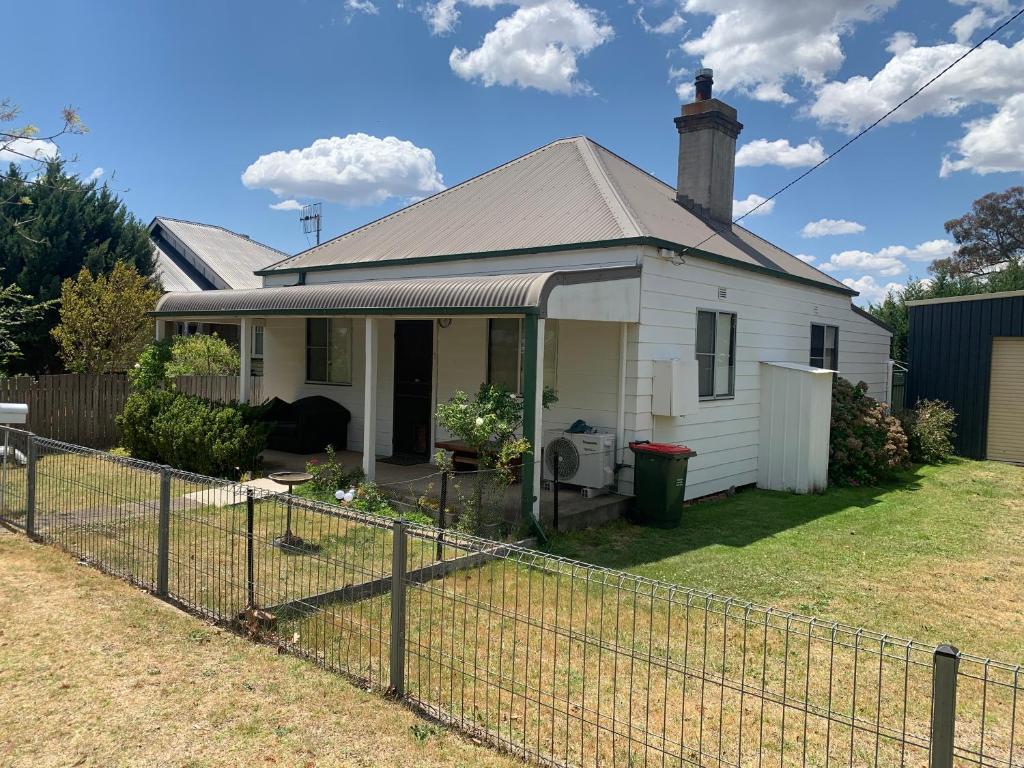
x=866, y=443
x=190, y=433
x=929, y=428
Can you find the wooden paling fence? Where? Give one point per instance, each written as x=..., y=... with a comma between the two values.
x=82, y=408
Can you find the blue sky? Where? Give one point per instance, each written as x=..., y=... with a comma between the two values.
x=183, y=98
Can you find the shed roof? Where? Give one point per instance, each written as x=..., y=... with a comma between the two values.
x=969, y=297
x=570, y=193
x=208, y=256
x=515, y=293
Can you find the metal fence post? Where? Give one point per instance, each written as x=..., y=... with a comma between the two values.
x=946, y=662
x=30, y=487
x=397, y=648
x=554, y=491
x=250, y=515
x=442, y=503
x=163, y=541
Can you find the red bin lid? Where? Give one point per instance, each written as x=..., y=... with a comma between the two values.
x=664, y=449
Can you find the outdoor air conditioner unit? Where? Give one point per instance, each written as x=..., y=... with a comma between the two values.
x=586, y=460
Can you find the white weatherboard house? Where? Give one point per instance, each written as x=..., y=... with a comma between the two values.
x=571, y=268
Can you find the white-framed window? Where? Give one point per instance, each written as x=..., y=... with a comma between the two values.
x=824, y=346
x=256, y=350
x=505, y=350
x=329, y=350
x=716, y=354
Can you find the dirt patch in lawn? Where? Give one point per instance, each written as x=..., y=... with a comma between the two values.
x=96, y=673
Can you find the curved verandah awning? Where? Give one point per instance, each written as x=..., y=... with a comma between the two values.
x=522, y=293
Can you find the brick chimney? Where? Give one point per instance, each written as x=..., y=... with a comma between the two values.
x=707, y=152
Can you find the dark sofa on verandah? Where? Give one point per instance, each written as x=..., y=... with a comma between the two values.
x=307, y=425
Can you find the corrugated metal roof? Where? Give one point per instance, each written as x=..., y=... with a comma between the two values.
x=173, y=277
x=224, y=258
x=570, y=192
x=409, y=295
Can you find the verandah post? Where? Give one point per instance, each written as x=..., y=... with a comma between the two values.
x=946, y=662
x=398, y=572
x=533, y=400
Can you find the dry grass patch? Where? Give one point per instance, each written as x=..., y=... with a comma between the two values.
x=96, y=673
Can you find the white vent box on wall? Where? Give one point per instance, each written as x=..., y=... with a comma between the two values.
x=675, y=388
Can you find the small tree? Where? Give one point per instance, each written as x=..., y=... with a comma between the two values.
x=17, y=310
x=104, y=320
x=203, y=355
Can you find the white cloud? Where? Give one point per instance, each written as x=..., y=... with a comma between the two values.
x=668, y=26
x=823, y=227
x=805, y=257
x=355, y=170
x=443, y=15
x=536, y=47
x=991, y=144
x=745, y=206
x=756, y=46
x=25, y=150
x=95, y=173
x=870, y=290
x=287, y=205
x=780, y=152
x=982, y=13
x=880, y=263
x=890, y=260
x=990, y=75
x=361, y=6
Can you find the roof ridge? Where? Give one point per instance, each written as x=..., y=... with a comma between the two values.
x=435, y=196
x=609, y=191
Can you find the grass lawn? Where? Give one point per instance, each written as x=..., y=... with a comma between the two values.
x=96, y=673
x=937, y=556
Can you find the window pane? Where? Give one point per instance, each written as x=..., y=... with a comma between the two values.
x=317, y=332
x=503, y=353
x=340, y=354
x=316, y=364
x=817, y=346
x=257, y=339
x=705, y=375
x=705, y=333
x=551, y=353
x=725, y=353
x=831, y=347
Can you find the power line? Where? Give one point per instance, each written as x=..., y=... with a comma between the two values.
x=850, y=141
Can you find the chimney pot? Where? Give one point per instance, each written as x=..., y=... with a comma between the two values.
x=703, y=82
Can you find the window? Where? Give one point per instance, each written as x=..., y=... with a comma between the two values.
x=329, y=351
x=256, y=351
x=716, y=354
x=505, y=350
x=825, y=346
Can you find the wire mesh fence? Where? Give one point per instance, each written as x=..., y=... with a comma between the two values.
x=558, y=661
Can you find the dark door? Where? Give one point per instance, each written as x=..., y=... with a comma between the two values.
x=414, y=365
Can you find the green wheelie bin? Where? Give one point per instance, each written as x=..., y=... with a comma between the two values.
x=659, y=482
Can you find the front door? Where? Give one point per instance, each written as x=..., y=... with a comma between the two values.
x=414, y=365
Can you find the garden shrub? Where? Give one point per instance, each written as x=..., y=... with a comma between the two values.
x=929, y=428
x=191, y=433
x=866, y=443
x=330, y=475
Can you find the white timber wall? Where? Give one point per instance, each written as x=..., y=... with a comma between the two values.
x=536, y=262
x=774, y=319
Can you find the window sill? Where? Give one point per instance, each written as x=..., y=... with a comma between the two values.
x=715, y=398
x=328, y=383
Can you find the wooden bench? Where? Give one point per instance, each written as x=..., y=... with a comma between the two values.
x=466, y=458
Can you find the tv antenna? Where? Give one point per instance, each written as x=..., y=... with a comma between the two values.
x=311, y=219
